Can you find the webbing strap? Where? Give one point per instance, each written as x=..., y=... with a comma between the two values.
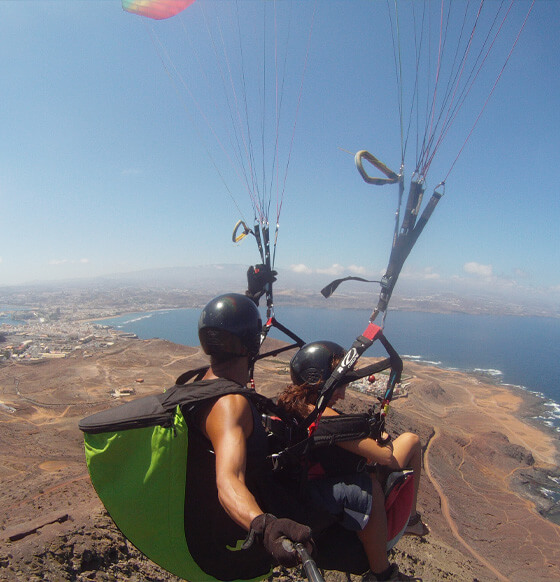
x=404, y=242
x=360, y=345
x=272, y=322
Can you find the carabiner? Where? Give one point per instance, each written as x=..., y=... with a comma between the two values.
x=391, y=178
x=440, y=194
x=246, y=230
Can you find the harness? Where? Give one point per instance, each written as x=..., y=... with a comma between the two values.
x=146, y=461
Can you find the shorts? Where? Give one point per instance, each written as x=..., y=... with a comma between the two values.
x=347, y=497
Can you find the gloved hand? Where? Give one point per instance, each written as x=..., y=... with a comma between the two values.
x=376, y=426
x=257, y=278
x=276, y=535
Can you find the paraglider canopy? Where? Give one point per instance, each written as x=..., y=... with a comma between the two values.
x=156, y=9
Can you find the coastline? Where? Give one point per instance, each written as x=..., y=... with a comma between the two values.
x=475, y=441
x=488, y=407
x=544, y=488
x=323, y=326
x=533, y=410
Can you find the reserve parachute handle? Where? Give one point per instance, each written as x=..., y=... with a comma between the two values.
x=239, y=237
x=391, y=178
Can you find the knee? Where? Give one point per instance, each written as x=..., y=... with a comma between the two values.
x=412, y=440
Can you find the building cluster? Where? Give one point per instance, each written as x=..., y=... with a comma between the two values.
x=378, y=387
x=40, y=339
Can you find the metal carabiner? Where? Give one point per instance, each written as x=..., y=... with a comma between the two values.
x=440, y=194
x=391, y=178
x=239, y=237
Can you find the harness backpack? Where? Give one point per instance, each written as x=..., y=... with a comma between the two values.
x=142, y=458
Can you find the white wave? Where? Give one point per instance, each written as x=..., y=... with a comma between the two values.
x=488, y=371
x=535, y=392
x=555, y=408
x=549, y=494
x=139, y=318
x=421, y=360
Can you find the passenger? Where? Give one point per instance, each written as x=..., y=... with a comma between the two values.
x=360, y=493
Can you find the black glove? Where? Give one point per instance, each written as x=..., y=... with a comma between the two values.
x=276, y=536
x=376, y=426
x=257, y=278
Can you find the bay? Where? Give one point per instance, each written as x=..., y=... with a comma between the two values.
x=8, y=315
x=521, y=351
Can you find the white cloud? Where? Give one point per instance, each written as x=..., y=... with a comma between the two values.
x=357, y=270
x=301, y=268
x=334, y=269
x=425, y=274
x=429, y=273
x=477, y=269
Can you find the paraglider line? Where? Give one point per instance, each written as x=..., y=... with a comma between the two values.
x=492, y=90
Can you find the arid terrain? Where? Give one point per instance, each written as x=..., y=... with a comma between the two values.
x=479, y=494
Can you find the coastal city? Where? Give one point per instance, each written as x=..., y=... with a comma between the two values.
x=46, y=340
x=38, y=323
x=44, y=322
x=40, y=335
x=69, y=322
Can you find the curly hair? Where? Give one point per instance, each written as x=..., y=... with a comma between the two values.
x=296, y=398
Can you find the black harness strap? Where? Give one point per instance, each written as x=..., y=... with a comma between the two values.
x=404, y=242
x=353, y=375
x=344, y=371
x=404, y=237
x=359, y=346
x=194, y=375
x=333, y=285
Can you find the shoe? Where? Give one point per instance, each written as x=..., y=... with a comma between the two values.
x=416, y=527
x=394, y=574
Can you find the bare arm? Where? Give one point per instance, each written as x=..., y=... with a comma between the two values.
x=368, y=447
x=228, y=424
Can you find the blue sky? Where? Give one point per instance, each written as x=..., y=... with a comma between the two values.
x=106, y=166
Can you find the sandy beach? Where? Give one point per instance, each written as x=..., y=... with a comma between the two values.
x=483, y=466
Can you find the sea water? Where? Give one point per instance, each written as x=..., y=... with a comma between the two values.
x=7, y=313
x=521, y=351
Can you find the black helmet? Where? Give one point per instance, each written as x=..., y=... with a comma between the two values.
x=315, y=362
x=230, y=325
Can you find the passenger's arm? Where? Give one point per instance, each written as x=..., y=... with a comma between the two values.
x=228, y=424
x=368, y=448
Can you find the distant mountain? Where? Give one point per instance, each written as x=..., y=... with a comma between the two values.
x=199, y=277
x=202, y=282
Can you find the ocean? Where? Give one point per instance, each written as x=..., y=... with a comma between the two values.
x=6, y=313
x=520, y=351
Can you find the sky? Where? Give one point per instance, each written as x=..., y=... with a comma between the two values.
x=115, y=154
